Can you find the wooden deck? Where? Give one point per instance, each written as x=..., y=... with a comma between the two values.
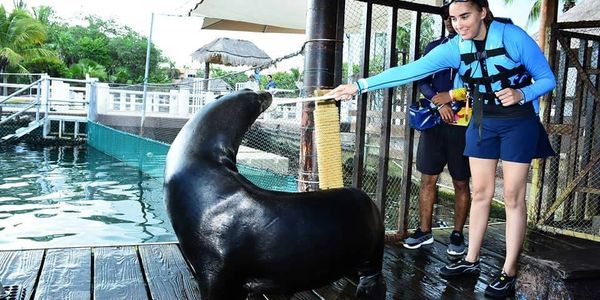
x=159, y=271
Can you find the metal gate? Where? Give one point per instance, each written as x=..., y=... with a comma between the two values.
x=567, y=187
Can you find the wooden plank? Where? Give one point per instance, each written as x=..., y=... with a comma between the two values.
x=559, y=129
x=275, y=297
x=490, y=263
x=438, y=258
x=66, y=274
x=21, y=268
x=306, y=295
x=414, y=274
x=342, y=289
x=167, y=273
x=118, y=274
x=567, y=242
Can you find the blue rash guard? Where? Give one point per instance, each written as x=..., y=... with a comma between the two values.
x=440, y=81
x=520, y=48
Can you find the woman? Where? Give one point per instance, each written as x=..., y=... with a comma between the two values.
x=497, y=62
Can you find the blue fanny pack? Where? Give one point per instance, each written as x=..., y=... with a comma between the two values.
x=423, y=115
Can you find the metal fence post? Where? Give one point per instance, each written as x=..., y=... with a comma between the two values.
x=3, y=293
x=46, y=102
x=37, y=101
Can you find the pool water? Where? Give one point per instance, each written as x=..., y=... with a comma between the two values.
x=63, y=196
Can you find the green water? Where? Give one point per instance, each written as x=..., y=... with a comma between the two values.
x=57, y=196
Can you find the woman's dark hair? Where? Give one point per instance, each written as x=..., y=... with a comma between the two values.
x=481, y=4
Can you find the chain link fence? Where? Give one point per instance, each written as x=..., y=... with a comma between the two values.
x=567, y=199
x=269, y=155
x=431, y=28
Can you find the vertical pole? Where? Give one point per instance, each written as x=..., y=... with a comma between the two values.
x=3, y=293
x=339, y=46
x=548, y=16
x=38, y=98
x=146, y=71
x=206, y=76
x=92, y=100
x=361, y=106
x=46, y=101
x=386, y=118
x=409, y=134
x=319, y=72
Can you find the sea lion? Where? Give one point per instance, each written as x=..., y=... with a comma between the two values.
x=242, y=239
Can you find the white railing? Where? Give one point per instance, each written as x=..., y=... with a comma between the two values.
x=175, y=103
x=68, y=96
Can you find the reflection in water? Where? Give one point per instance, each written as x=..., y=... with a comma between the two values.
x=58, y=196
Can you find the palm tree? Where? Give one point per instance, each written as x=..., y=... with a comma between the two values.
x=534, y=13
x=21, y=37
x=88, y=67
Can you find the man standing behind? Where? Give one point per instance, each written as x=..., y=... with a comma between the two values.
x=438, y=146
x=270, y=83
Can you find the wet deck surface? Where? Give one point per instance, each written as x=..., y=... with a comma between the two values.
x=160, y=271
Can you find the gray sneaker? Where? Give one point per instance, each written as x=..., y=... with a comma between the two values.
x=418, y=238
x=457, y=244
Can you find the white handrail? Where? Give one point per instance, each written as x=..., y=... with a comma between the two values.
x=20, y=90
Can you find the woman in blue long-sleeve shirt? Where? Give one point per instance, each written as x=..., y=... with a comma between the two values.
x=506, y=73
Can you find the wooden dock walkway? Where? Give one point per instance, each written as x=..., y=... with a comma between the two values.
x=159, y=271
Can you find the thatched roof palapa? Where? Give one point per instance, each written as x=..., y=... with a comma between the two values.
x=231, y=52
x=586, y=10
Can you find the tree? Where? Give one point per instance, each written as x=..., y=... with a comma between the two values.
x=230, y=77
x=117, y=48
x=403, y=35
x=21, y=37
x=534, y=13
x=88, y=67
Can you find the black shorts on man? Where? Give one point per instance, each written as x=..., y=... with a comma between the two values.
x=441, y=145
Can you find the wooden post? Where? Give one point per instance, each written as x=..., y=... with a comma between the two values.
x=548, y=16
x=206, y=76
x=319, y=71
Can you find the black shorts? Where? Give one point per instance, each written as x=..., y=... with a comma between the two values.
x=441, y=145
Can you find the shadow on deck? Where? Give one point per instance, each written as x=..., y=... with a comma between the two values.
x=159, y=271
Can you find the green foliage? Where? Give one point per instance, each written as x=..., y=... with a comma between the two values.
x=534, y=12
x=355, y=69
x=21, y=37
x=403, y=35
x=52, y=66
x=107, y=49
x=284, y=80
x=88, y=67
x=230, y=77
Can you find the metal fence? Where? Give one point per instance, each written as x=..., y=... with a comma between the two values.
x=273, y=143
x=568, y=186
x=409, y=41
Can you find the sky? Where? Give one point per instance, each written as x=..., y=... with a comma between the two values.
x=178, y=37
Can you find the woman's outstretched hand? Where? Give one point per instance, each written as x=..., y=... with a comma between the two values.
x=344, y=92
